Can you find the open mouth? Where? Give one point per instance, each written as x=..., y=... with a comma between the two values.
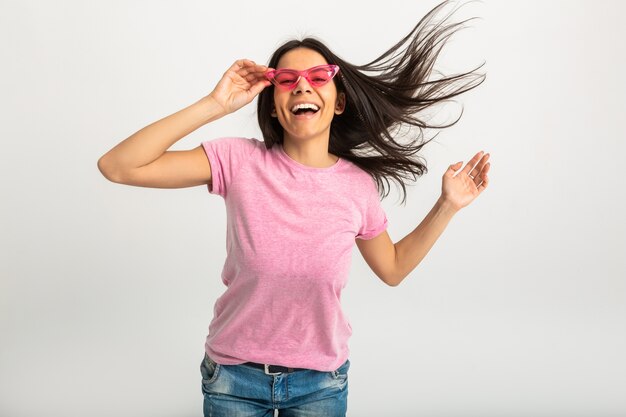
x=305, y=109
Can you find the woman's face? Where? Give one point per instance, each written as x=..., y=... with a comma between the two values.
x=307, y=125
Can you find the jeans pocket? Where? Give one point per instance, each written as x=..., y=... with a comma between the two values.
x=209, y=369
x=342, y=371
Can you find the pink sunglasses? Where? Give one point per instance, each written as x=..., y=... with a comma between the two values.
x=316, y=76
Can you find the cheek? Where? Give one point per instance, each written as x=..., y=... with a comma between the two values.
x=331, y=102
x=279, y=100
x=330, y=97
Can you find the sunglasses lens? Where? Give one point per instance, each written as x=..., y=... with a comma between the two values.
x=286, y=79
x=321, y=76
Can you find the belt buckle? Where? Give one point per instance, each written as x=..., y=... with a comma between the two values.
x=267, y=370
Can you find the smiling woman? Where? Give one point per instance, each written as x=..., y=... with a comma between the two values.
x=305, y=102
x=298, y=201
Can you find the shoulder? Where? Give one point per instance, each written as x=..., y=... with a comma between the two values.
x=234, y=142
x=232, y=147
x=360, y=179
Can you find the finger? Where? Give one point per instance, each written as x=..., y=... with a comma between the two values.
x=453, y=168
x=237, y=65
x=472, y=162
x=255, y=75
x=242, y=63
x=253, y=69
x=484, y=184
x=258, y=87
x=484, y=178
x=251, y=77
x=475, y=172
x=245, y=66
x=486, y=168
x=483, y=171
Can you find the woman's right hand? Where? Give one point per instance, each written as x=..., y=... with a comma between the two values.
x=239, y=85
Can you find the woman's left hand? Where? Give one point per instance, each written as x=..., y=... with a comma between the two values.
x=461, y=189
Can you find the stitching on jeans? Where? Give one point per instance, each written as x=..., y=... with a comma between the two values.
x=274, y=390
x=216, y=368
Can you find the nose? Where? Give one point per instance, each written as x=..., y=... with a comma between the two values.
x=302, y=87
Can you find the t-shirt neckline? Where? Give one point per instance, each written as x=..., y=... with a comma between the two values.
x=292, y=162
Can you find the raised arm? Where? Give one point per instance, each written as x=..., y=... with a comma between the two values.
x=143, y=160
x=393, y=262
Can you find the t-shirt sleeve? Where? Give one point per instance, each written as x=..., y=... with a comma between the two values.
x=374, y=219
x=226, y=157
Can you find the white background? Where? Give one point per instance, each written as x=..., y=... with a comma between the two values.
x=106, y=290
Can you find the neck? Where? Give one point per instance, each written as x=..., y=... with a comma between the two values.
x=311, y=153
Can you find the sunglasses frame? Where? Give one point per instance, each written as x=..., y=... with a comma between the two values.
x=271, y=75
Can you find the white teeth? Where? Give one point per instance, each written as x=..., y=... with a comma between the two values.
x=304, y=106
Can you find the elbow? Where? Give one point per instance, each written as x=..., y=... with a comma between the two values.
x=392, y=281
x=394, y=277
x=105, y=169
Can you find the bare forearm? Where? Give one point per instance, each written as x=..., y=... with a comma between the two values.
x=149, y=143
x=413, y=247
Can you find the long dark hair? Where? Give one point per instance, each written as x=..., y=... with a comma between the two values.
x=380, y=104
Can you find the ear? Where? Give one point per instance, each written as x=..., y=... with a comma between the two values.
x=273, y=112
x=340, y=104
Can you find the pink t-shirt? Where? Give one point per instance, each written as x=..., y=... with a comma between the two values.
x=289, y=240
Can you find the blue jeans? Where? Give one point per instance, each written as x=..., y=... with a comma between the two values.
x=242, y=390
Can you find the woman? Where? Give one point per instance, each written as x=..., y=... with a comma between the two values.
x=297, y=202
